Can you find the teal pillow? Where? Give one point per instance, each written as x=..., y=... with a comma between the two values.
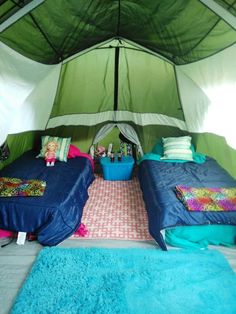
x=158, y=149
x=62, y=149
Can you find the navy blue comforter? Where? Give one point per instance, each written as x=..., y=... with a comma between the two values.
x=55, y=215
x=158, y=180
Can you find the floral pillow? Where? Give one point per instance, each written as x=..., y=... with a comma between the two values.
x=62, y=149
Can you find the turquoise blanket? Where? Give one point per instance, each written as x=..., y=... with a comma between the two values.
x=199, y=237
x=157, y=153
x=197, y=158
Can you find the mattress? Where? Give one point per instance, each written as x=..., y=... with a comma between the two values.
x=158, y=181
x=56, y=214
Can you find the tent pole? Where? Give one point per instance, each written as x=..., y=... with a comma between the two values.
x=116, y=78
x=19, y=14
x=221, y=12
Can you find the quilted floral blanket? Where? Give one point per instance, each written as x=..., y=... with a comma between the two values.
x=16, y=187
x=207, y=199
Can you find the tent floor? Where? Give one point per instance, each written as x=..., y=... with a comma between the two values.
x=16, y=261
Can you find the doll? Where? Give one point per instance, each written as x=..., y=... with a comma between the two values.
x=50, y=154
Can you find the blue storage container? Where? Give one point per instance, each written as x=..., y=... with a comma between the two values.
x=117, y=170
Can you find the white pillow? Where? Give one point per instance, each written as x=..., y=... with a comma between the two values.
x=177, y=148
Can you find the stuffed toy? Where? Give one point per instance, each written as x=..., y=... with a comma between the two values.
x=100, y=151
x=50, y=153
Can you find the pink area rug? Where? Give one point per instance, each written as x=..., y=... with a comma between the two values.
x=115, y=210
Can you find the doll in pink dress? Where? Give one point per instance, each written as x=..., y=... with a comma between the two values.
x=50, y=154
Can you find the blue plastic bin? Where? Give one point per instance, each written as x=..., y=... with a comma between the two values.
x=117, y=170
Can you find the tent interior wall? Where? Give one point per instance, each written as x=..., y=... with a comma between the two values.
x=210, y=144
x=153, y=65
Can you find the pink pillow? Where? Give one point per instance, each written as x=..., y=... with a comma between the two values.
x=6, y=234
x=73, y=151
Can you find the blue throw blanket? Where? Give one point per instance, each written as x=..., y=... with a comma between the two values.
x=56, y=214
x=158, y=181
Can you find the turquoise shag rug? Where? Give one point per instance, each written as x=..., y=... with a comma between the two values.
x=132, y=281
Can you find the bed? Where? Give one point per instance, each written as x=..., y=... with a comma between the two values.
x=166, y=213
x=56, y=214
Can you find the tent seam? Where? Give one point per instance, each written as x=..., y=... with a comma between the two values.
x=59, y=55
x=198, y=43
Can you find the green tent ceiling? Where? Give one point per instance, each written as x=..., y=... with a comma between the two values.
x=182, y=31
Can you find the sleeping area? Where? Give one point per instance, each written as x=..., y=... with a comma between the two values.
x=45, y=196
x=190, y=199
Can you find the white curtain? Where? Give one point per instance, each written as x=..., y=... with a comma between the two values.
x=129, y=132
x=103, y=132
x=126, y=129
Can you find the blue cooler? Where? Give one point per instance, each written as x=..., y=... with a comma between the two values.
x=117, y=170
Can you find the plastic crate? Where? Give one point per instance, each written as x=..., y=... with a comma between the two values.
x=117, y=170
